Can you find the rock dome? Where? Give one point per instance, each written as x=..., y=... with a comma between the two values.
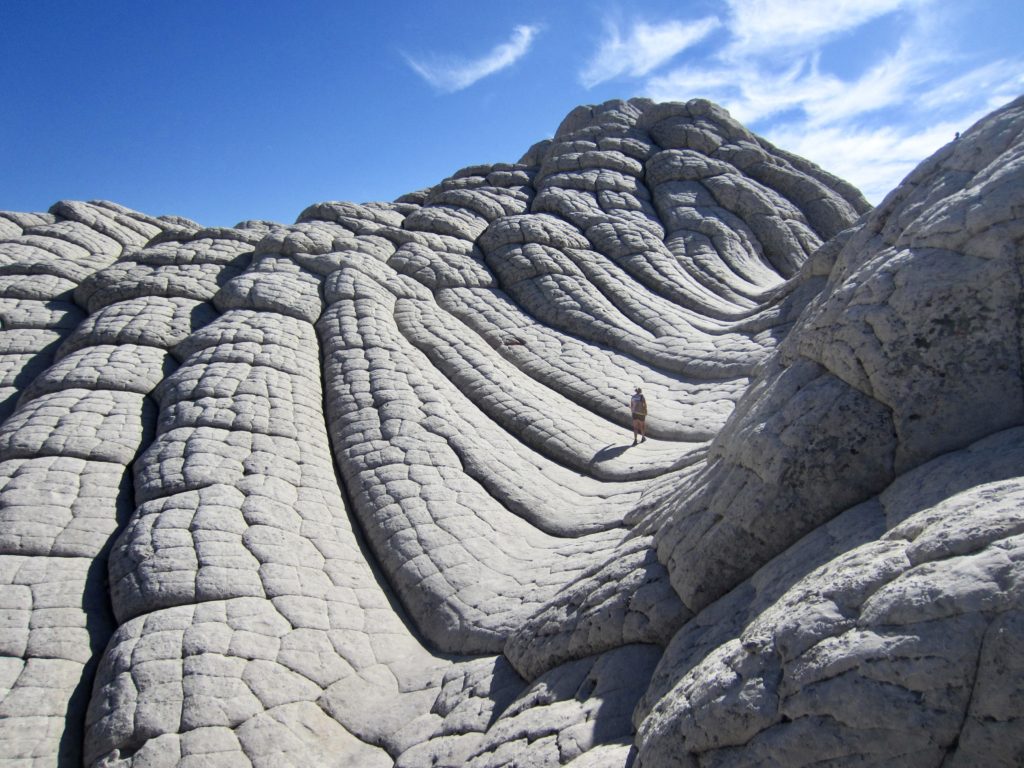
x=360, y=490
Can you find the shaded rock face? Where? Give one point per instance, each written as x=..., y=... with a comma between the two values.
x=361, y=490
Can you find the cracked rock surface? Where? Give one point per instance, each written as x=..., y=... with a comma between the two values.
x=361, y=490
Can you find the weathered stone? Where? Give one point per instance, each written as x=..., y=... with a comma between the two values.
x=361, y=490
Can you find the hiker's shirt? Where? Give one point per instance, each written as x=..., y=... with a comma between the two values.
x=638, y=405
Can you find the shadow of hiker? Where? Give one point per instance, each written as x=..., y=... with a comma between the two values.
x=609, y=452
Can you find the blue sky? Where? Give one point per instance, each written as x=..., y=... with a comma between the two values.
x=223, y=111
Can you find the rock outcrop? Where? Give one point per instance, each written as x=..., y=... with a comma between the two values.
x=360, y=490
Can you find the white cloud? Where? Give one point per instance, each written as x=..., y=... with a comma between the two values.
x=759, y=26
x=770, y=77
x=1001, y=80
x=870, y=121
x=875, y=160
x=453, y=74
x=891, y=82
x=644, y=49
x=749, y=91
x=834, y=122
x=756, y=83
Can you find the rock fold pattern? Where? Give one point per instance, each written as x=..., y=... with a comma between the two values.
x=360, y=490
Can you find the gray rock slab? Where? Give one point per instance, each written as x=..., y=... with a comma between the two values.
x=361, y=490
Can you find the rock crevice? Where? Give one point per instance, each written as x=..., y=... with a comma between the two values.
x=361, y=490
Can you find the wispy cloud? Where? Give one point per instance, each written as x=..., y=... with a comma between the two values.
x=750, y=92
x=645, y=48
x=755, y=90
x=450, y=74
x=874, y=159
x=870, y=126
x=757, y=80
x=1000, y=80
x=759, y=26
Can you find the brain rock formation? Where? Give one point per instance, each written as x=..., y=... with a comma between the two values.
x=360, y=490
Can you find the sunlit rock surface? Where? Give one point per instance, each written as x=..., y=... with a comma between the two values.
x=361, y=490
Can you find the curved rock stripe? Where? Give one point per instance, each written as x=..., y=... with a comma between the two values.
x=360, y=490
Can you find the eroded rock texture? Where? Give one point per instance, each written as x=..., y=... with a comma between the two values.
x=360, y=490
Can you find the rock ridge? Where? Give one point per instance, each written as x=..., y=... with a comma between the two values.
x=359, y=490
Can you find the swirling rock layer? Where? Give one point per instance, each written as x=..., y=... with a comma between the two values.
x=361, y=490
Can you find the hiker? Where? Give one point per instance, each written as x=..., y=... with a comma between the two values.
x=638, y=407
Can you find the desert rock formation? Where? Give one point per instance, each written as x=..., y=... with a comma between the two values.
x=360, y=490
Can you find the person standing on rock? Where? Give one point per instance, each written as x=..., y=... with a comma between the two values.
x=638, y=407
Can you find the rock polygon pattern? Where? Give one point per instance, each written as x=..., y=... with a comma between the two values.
x=360, y=490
